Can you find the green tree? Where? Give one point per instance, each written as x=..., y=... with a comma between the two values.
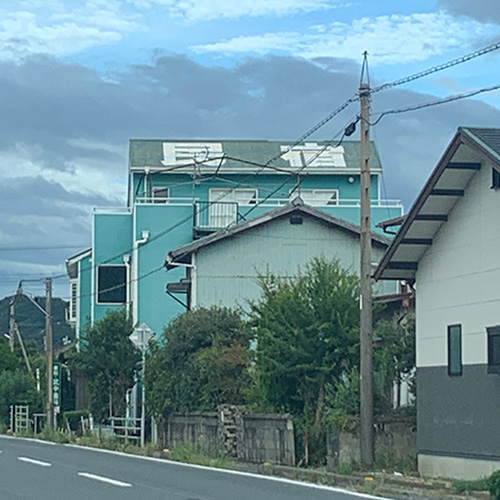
x=307, y=331
x=17, y=387
x=108, y=360
x=202, y=361
x=8, y=360
x=394, y=354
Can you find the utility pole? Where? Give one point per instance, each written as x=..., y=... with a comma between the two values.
x=12, y=324
x=50, y=353
x=365, y=305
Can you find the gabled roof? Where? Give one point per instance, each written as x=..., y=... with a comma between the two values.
x=296, y=207
x=469, y=149
x=236, y=156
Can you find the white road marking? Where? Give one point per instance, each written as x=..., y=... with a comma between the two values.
x=296, y=482
x=103, y=479
x=34, y=462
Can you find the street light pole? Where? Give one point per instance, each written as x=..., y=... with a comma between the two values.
x=50, y=353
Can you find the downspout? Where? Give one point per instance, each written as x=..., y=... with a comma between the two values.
x=135, y=274
x=126, y=261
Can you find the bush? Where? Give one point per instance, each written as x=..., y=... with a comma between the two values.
x=494, y=485
x=74, y=417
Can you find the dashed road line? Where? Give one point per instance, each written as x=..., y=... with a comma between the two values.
x=34, y=462
x=103, y=479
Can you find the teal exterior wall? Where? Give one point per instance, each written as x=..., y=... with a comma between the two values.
x=170, y=223
x=112, y=240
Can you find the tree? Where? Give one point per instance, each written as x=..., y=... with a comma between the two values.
x=307, y=331
x=108, y=360
x=16, y=386
x=8, y=360
x=394, y=355
x=202, y=362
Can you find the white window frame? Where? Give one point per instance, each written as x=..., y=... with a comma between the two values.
x=320, y=202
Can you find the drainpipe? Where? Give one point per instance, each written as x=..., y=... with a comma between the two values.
x=126, y=261
x=134, y=284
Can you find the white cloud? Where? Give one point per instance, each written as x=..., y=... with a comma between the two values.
x=57, y=31
x=206, y=10
x=388, y=39
x=86, y=175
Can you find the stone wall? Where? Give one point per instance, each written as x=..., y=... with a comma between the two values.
x=266, y=438
x=256, y=438
x=395, y=439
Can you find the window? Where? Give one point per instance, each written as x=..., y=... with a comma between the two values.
x=73, y=301
x=493, y=349
x=160, y=194
x=455, y=350
x=318, y=197
x=111, y=283
x=495, y=178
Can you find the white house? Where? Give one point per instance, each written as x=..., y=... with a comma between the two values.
x=449, y=246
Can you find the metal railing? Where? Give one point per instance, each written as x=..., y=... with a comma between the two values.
x=215, y=215
x=126, y=427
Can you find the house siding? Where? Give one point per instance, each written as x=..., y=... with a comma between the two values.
x=227, y=271
x=457, y=283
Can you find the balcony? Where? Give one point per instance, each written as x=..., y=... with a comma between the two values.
x=210, y=217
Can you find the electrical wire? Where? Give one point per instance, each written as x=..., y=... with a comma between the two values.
x=296, y=173
x=429, y=104
x=440, y=67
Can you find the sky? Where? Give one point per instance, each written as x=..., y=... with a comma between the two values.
x=79, y=78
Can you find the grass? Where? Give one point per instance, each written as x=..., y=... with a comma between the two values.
x=463, y=486
x=188, y=454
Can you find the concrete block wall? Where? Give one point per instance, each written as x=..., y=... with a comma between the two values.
x=395, y=439
x=256, y=438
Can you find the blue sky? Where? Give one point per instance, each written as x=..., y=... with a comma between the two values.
x=80, y=78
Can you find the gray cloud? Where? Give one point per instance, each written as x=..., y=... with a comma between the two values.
x=482, y=10
x=64, y=133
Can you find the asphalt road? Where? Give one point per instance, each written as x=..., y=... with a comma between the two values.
x=34, y=470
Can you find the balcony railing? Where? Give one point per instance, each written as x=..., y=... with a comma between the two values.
x=211, y=216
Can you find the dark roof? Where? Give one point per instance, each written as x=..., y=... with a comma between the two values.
x=464, y=156
x=149, y=153
x=296, y=207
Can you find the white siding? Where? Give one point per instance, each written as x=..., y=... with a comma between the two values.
x=227, y=271
x=458, y=278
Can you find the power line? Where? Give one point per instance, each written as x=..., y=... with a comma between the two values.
x=435, y=69
x=429, y=104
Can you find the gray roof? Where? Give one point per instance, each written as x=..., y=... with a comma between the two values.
x=468, y=150
x=147, y=153
x=296, y=207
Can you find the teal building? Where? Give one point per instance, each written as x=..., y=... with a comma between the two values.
x=180, y=191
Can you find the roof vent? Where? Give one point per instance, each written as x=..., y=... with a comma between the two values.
x=296, y=220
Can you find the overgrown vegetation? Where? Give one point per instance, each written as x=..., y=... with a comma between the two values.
x=109, y=362
x=203, y=360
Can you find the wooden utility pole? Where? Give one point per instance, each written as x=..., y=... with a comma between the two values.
x=365, y=305
x=50, y=353
x=12, y=324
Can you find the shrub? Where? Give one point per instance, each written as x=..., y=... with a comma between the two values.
x=494, y=485
x=74, y=417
